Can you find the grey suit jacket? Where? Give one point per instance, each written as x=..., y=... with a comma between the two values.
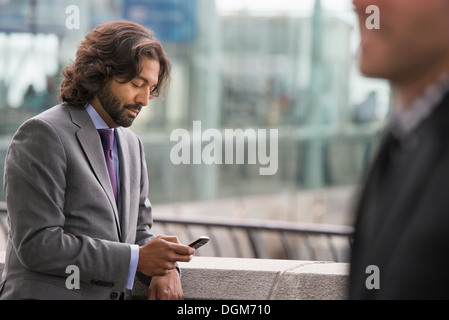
x=62, y=210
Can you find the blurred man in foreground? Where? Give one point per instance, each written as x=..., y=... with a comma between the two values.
x=402, y=228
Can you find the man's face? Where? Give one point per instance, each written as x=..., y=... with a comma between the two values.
x=413, y=38
x=122, y=102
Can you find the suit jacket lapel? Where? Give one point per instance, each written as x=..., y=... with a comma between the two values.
x=90, y=142
x=124, y=180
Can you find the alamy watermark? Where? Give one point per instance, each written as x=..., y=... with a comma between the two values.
x=73, y=20
x=73, y=280
x=262, y=147
x=373, y=280
x=373, y=21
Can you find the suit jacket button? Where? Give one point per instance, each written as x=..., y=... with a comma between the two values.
x=114, y=295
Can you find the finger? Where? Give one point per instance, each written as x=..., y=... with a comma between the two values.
x=183, y=258
x=173, y=239
x=182, y=249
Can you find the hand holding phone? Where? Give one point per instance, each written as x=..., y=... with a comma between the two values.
x=201, y=241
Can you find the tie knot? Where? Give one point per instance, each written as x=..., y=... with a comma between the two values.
x=107, y=138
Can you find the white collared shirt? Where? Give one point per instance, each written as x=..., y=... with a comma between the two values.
x=403, y=123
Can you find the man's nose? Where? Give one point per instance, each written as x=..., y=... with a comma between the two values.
x=143, y=98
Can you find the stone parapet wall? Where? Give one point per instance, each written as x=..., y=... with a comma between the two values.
x=210, y=278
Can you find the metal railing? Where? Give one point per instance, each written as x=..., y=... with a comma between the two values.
x=298, y=240
x=291, y=235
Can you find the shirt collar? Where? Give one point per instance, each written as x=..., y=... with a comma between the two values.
x=403, y=123
x=96, y=118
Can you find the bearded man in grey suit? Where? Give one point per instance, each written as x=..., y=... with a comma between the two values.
x=65, y=208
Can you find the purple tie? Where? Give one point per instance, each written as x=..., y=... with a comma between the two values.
x=107, y=139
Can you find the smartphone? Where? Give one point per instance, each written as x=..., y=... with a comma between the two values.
x=201, y=241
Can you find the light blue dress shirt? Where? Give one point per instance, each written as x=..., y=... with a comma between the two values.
x=101, y=124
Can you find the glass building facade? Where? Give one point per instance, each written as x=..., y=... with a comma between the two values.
x=247, y=65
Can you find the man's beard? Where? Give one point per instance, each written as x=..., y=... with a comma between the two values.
x=111, y=104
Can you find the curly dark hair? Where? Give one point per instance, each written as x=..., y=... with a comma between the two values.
x=112, y=50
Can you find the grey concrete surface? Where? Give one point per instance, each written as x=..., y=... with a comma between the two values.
x=210, y=278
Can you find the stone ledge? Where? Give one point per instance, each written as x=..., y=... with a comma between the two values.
x=210, y=278
x=263, y=279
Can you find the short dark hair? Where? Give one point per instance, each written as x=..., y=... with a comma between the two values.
x=113, y=49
